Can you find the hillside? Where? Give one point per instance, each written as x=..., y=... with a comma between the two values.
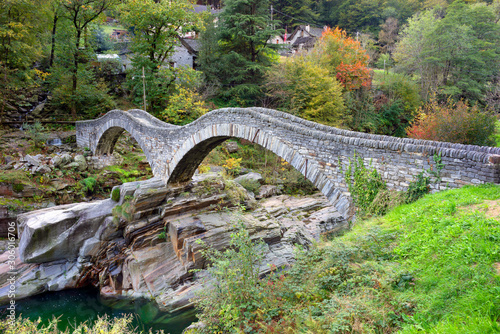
x=431, y=266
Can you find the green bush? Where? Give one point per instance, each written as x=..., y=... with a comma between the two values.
x=89, y=185
x=115, y=194
x=36, y=133
x=250, y=185
x=363, y=183
x=184, y=106
x=236, y=292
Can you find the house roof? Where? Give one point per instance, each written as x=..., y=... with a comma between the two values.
x=192, y=45
x=313, y=31
x=201, y=8
x=307, y=41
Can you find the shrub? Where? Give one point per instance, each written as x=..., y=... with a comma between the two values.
x=232, y=166
x=303, y=88
x=36, y=133
x=250, y=185
x=88, y=185
x=184, y=107
x=363, y=183
x=115, y=194
x=237, y=298
x=455, y=122
x=102, y=325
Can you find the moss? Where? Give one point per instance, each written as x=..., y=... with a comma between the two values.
x=115, y=194
x=18, y=187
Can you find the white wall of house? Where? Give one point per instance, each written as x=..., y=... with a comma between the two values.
x=182, y=57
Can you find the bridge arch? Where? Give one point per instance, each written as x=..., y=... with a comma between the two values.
x=195, y=147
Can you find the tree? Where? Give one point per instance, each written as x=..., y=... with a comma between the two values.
x=294, y=12
x=389, y=34
x=245, y=28
x=455, y=122
x=81, y=13
x=344, y=58
x=303, y=88
x=156, y=27
x=21, y=30
x=457, y=55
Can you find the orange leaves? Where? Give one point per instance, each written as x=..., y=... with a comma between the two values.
x=345, y=58
x=455, y=122
x=354, y=76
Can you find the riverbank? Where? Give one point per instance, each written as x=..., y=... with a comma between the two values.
x=431, y=266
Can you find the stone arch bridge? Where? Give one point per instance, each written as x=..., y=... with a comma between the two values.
x=317, y=151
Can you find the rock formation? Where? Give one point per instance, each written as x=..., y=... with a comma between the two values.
x=145, y=244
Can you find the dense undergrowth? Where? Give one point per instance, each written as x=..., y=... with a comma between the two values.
x=431, y=266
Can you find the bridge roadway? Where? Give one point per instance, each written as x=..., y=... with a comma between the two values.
x=315, y=150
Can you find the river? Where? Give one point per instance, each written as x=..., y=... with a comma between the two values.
x=78, y=305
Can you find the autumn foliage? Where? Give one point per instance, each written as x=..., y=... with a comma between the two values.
x=345, y=58
x=455, y=122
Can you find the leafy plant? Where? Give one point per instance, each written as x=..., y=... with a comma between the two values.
x=455, y=122
x=421, y=185
x=250, y=185
x=184, y=106
x=89, y=184
x=36, y=133
x=232, y=166
x=363, y=183
x=115, y=194
x=235, y=293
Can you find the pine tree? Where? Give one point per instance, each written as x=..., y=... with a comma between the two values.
x=295, y=12
x=245, y=27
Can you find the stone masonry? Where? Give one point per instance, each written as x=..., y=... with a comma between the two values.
x=317, y=151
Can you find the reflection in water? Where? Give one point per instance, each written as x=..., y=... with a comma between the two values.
x=79, y=305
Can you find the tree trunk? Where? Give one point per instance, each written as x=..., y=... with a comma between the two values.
x=53, y=43
x=75, y=73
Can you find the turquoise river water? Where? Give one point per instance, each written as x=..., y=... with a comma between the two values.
x=79, y=305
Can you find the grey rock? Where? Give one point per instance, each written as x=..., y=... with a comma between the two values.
x=43, y=169
x=267, y=191
x=38, y=109
x=90, y=247
x=66, y=158
x=82, y=163
x=33, y=161
x=59, y=232
x=231, y=146
x=255, y=177
x=56, y=161
x=72, y=165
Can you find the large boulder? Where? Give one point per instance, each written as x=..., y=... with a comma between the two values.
x=58, y=233
x=82, y=163
x=250, y=177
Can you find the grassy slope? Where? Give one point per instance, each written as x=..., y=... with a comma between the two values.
x=428, y=267
x=439, y=257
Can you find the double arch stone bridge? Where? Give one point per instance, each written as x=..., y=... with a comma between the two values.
x=315, y=150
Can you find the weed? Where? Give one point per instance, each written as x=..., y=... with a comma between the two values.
x=36, y=133
x=363, y=183
x=89, y=185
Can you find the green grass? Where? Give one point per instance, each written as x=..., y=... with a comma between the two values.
x=449, y=247
x=426, y=267
x=108, y=29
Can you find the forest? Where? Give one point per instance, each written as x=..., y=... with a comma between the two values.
x=422, y=69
